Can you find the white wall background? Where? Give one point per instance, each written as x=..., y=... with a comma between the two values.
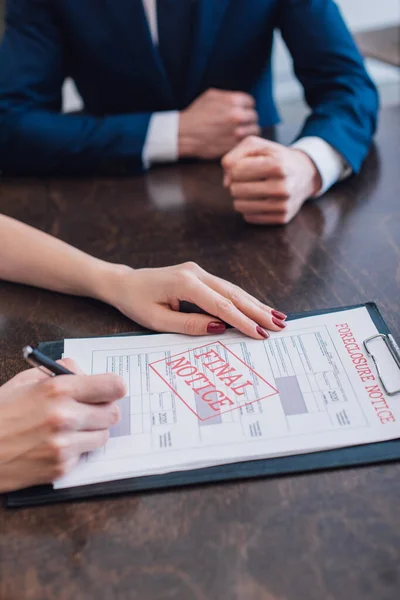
x=360, y=15
x=369, y=14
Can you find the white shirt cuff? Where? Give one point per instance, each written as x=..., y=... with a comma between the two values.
x=161, y=143
x=330, y=164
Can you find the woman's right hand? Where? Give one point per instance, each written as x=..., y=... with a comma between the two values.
x=152, y=298
x=47, y=423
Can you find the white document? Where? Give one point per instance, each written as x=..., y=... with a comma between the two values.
x=197, y=402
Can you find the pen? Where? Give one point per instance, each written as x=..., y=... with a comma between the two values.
x=37, y=359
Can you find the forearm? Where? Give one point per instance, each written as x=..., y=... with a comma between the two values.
x=342, y=97
x=47, y=143
x=35, y=258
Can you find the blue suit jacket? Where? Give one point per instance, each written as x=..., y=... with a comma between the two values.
x=105, y=46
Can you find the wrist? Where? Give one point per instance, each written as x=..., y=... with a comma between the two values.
x=186, y=139
x=107, y=282
x=314, y=179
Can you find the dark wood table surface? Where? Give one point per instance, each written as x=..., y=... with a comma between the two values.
x=382, y=44
x=320, y=536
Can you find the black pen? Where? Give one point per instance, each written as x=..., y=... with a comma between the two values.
x=37, y=359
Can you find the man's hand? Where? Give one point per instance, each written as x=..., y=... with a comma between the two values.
x=215, y=122
x=46, y=423
x=269, y=182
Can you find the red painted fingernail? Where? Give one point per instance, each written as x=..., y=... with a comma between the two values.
x=281, y=324
x=215, y=327
x=262, y=332
x=278, y=315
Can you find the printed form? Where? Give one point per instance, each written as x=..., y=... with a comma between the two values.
x=198, y=402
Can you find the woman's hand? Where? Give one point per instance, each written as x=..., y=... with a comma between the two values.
x=151, y=297
x=46, y=423
x=148, y=296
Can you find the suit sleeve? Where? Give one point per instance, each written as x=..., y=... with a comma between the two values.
x=35, y=138
x=343, y=99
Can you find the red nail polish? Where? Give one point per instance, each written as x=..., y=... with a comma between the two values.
x=278, y=315
x=215, y=327
x=262, y=332
x=281, y=324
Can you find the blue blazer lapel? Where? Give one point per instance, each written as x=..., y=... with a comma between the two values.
x=131, y=24
x=211, y=15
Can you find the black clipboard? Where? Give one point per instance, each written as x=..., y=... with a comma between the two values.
x=366, y=454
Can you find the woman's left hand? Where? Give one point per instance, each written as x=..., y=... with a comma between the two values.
x=151, y=297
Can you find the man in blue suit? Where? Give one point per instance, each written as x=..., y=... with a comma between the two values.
x=167, y=79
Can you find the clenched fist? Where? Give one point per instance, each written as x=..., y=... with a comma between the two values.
x=215, y=122
x=269, y=182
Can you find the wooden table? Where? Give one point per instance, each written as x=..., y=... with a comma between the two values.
x=382, y=44
x=308, y=537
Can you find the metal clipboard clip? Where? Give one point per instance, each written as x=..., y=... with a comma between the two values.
x=394, y=351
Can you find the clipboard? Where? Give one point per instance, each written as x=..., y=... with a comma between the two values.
x=366, y=454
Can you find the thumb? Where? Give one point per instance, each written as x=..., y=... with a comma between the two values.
x=250, y=144
x=261, y=146
x=189, y=324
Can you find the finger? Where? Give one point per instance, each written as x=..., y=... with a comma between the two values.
x=251, y=146
x=275, y=188
x=92, y=389
x=259, y=207
x=251, y=307
x=89, y=417
x=242, y=99
x=98, y=388
x=79, y=442
x=245, y=130
x=255, y=168
x=243, y=116
x=266, y=219
x=70, y=464
x=165, y=319
x=240, y=151
x=210, y=279
x=216, y=304
x=88, y=441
